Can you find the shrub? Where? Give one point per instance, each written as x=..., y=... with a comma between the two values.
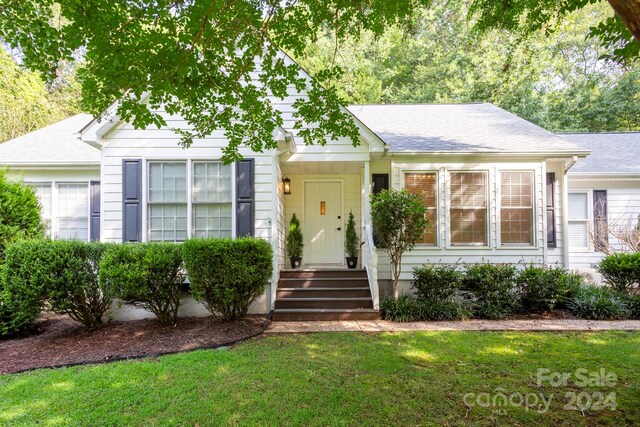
x=72, y=281
x=399, y=220
x=436, y=283
x=409, y=309
x=621, y=271
x=351, y=241
x=633, y=305
x=23, y=281
x=147, y=275
x=598, y=303
x=228, y=275
x=19, y=213
x=402, y=309
x=493, y=286
x=295, y=243
x=544, y=288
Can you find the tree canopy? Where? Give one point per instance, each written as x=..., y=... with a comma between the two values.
x=216, y=63
x=562, y=81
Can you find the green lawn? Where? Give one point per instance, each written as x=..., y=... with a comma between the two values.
x=417, y=378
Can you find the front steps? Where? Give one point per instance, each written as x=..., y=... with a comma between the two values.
x=323, y=294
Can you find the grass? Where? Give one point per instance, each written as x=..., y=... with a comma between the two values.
x=417, y=378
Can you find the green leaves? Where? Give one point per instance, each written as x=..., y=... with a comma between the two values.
x=399, y=220
x=227, y=275
x=295, y=243
x=351, y=241
x=216, y=63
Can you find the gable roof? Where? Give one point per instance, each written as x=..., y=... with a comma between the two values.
x=459, y=128
x=54, y=145
x=611, y=152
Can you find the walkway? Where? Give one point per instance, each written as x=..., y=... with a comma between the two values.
x=467, y=325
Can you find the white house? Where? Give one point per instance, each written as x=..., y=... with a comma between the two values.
x=604, y=196
x=496, y=187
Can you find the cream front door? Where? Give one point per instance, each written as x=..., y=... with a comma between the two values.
x=323, y=235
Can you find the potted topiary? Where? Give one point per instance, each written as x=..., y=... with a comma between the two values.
x=351, y=243
x=295, y=243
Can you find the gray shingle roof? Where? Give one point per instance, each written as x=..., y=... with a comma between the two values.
x=477, y=127
x=55, y=144
x=610, y=152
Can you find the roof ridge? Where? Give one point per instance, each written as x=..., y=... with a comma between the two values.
x=417, y=103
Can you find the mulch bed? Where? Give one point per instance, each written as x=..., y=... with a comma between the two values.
x=58, y=340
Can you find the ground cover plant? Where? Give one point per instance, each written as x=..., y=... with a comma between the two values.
x=417, y=378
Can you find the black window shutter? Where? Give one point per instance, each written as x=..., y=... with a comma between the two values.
x=551, y=211
x=380, y=182
x=94, y=208
x=600, y=230
x=245, y=198
x=132, y=200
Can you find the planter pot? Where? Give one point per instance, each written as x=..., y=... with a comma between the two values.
x=352, y=261
x=296, y=261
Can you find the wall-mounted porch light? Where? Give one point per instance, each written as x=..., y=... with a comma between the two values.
x=286, y=183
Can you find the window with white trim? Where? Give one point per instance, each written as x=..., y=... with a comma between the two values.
x=211, y=199
x=44, y=194
x=578, y=220
x=169, y=203
x=73, y=211
x=468, y=208
x=423, y=185
x=516, y=208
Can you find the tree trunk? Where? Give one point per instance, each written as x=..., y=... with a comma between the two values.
x=629, y=13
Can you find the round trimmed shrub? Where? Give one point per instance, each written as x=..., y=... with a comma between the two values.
x=72, y=281
x=228, y=275
x=494, y=287
x=23, y=279
x=436, y=282
x=598, y=303
x=543, y=288
x=146, y=275
x=621, y=271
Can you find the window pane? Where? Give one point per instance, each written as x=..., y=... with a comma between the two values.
x=578, y=235
x=43, y=192
x=468, y=212
x=424, y=186
x=578, y=206
x=167, y=182
x=516, y=225
x=168, y=222
x=73, y=211
x=516, y=213
x=212, y=220
x=211, y=182
x=468, y=226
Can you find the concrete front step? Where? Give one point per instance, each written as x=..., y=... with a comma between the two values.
x=323, y=273
x=317, y=292
x=323, y=282
x=284, y=315
x=324, y=303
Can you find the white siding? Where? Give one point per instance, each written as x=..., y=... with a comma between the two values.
x=125, y=142
x=555, y=256
x=623, y=208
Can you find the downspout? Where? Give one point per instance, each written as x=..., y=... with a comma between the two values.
x=565, y=210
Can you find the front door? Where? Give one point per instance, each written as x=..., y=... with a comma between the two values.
x=323, y=235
